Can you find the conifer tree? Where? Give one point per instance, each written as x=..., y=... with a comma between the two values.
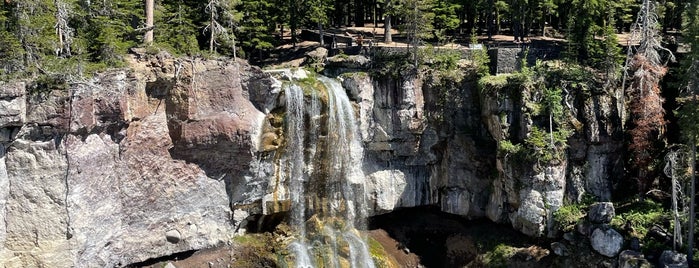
x=317, y=14
x=11, y=52
x=178, y=28
x=35, y=30
x=389, y=10
x=445, y=19
x=64, y=32
x=689, y=113
x=417, y=22
x=256, y=25
x=110, y=29
x=222, y=20
x=148, y=36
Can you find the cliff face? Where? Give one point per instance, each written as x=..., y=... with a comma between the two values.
x=174, y=155
x=428, y=144
x=130, y=165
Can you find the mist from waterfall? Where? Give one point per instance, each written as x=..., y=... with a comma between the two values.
x=332, y=163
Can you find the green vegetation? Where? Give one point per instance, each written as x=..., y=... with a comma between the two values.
x=566, y=217
x=640, y=216
x=539, y=90
x=499, y=256
x=378, y=254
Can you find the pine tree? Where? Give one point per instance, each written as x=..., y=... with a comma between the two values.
x=148, y=36
x=689, y=114
x=389, y=10
x=222, y=20
x=417, y=22
x=317, y=13
x=178, y=29
x=256, y=25
x=11, y=51
x=36, y=32
x=111, y=29
x=445, y=19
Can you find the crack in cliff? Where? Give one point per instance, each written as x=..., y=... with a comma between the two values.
x=69, y=229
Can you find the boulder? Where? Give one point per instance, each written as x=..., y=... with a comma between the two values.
x=173, y=236
x=349, y=62
x=601, y=212
x=316, y=58
x=633, y=259
x=560, y=249
x=385, y=189
x=672, y=259
x=606, y=241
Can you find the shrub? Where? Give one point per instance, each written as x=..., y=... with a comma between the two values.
x=567, y=216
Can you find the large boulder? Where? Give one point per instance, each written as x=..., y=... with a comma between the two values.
x=672, y=259
x=606, y=241
x=601, y=212
x=349, y=62
x=385, y=189
x=633, y=259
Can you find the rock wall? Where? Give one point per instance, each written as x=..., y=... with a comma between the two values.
x=437, y=144
x=172, y=155
x=129, y=165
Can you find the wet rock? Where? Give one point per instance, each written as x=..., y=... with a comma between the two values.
x=569, y=236
x=584, y=228
x=606, y=241
x=633, y=259
x=601, y=212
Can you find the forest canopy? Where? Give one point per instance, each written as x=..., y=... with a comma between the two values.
x=42, y=36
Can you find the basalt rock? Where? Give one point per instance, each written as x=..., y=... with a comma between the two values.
x=99, y=171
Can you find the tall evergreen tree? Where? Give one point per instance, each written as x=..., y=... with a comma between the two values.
x=318, y=14
x=35, y=29
x=111, y=27
x=11, y=51
x=178, y=28
x=689, y=114
x=148, y=36
x=418, y=20
x=445, y=19
x=222, y=20
x=256, y=25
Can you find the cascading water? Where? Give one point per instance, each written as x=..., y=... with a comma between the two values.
x=295, y=169
x=322, y=166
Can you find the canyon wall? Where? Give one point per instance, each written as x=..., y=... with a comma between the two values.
x=173, y=155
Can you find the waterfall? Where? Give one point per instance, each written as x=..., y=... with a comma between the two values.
x=322, y=166
x=295, y=170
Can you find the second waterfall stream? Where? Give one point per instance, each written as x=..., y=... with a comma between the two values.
x=320, y=165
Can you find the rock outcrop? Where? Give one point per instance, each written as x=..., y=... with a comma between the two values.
x=128, y=165
x=173, y=155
